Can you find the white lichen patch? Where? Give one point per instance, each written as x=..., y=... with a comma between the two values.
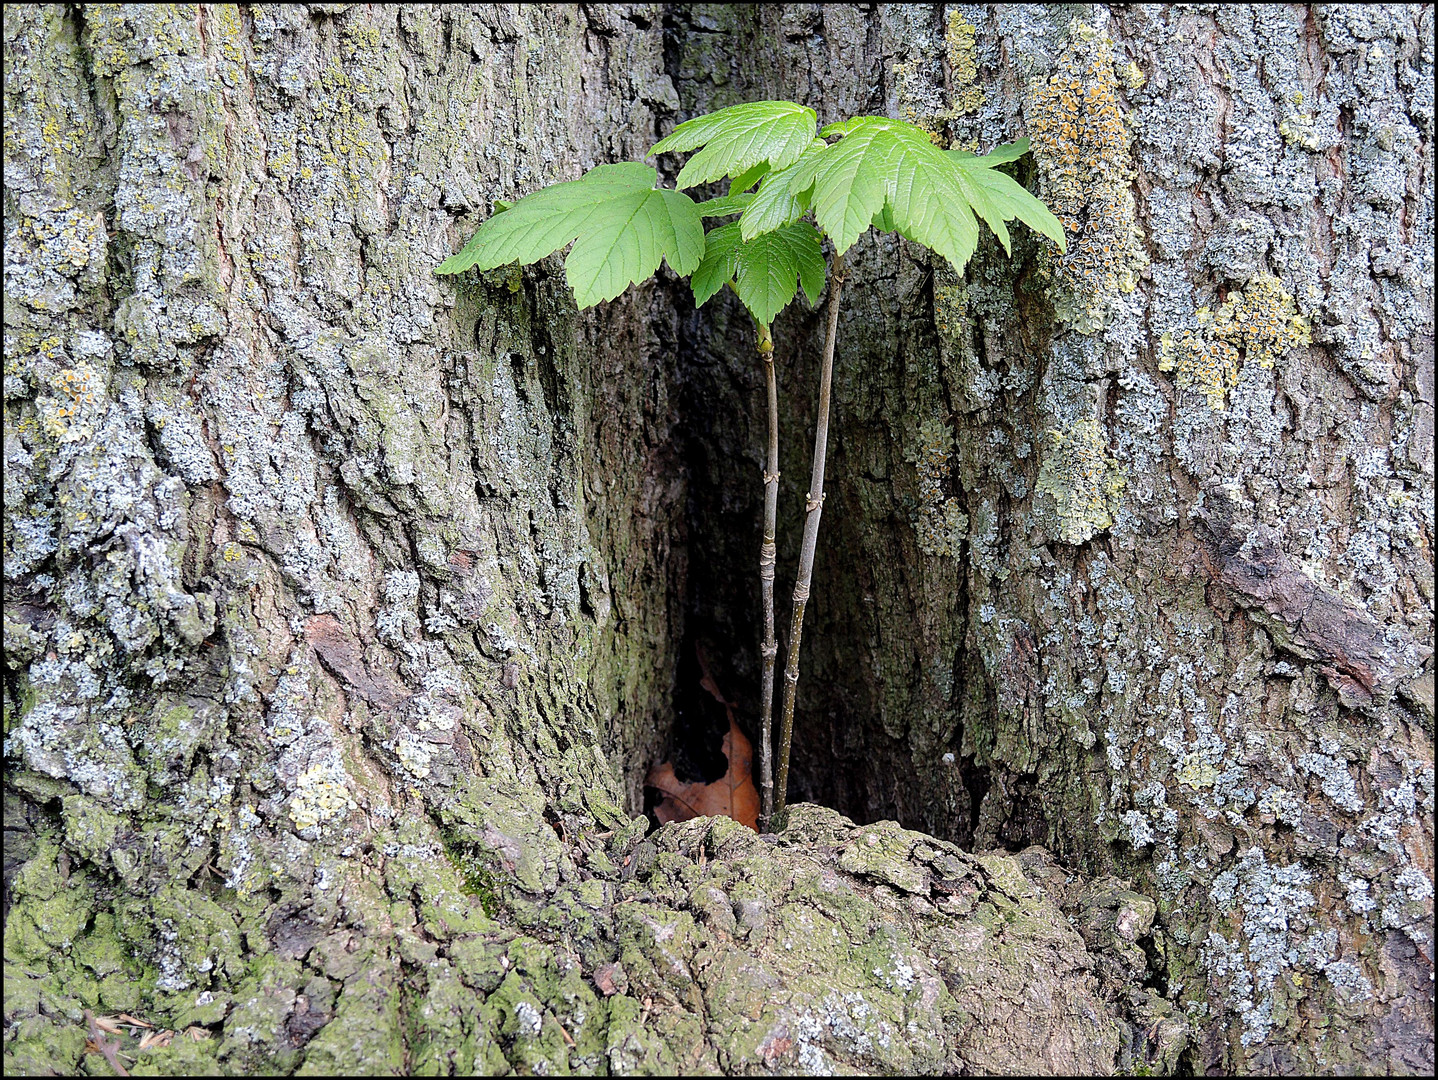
x=528, y=1018
x=1333, y=775
x=1272, y=902
x=44, y=254
x=399, y=619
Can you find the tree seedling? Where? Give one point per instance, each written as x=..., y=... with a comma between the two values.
x=877, y=171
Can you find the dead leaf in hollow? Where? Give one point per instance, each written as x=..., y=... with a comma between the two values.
x=732, y=795
x=604, y=979
x=98, y=1044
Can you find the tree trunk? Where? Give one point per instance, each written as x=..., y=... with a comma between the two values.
x=345, y=605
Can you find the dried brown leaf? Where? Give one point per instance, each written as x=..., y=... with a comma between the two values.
x=732, y=795
x=158, y=1039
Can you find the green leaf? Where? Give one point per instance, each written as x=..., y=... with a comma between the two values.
x=765, y=272
x=774, y=205
x=619, y=223
x=998, y=197
x=721, y=259
x=769, y=266
x=999, y=155
x=889, y=174
x=738, y=138
x=725, y=205
x=812, y=268
x=851, y=178
x=747, y=179
x=624, y=240
x=928, y=206
x=841, y=127
x=542, y=223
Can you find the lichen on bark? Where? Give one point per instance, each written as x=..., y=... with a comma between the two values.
x=343, y=603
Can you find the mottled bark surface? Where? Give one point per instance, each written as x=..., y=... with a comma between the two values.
x=344, y=605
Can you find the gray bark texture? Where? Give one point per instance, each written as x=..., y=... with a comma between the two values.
x=347, y=606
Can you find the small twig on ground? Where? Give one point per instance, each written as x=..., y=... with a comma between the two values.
x=110, y=1048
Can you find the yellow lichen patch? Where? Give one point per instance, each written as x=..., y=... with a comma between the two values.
x=226, y=29
x=923, y=102
x=80, y=391
x=108, y=37
x=119, y=35
x=1196, y=771
x=80, y=383
x=1086, y=485
x=940, y=525
x=322, y=794
x=1081, y=143
x=1262, y=321
x=959, y=37
x=67, y=241
x=951, y=308
x=1204, y=364
x=1257, y=325
x=23, y=348
x=1299, y=130
x=344, y=136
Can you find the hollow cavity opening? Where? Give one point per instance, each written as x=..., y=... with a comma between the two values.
x=877, y=733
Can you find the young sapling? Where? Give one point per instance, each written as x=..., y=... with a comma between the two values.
x=889, y=174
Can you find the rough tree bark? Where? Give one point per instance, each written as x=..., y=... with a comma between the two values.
x=343, y=604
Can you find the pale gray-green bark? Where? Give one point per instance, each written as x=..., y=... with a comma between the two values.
x=343, y=603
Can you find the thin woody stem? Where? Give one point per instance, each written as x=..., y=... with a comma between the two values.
x=767, y=554
x=815, y=507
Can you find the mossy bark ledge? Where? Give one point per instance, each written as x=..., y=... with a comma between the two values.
x=344, y=604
